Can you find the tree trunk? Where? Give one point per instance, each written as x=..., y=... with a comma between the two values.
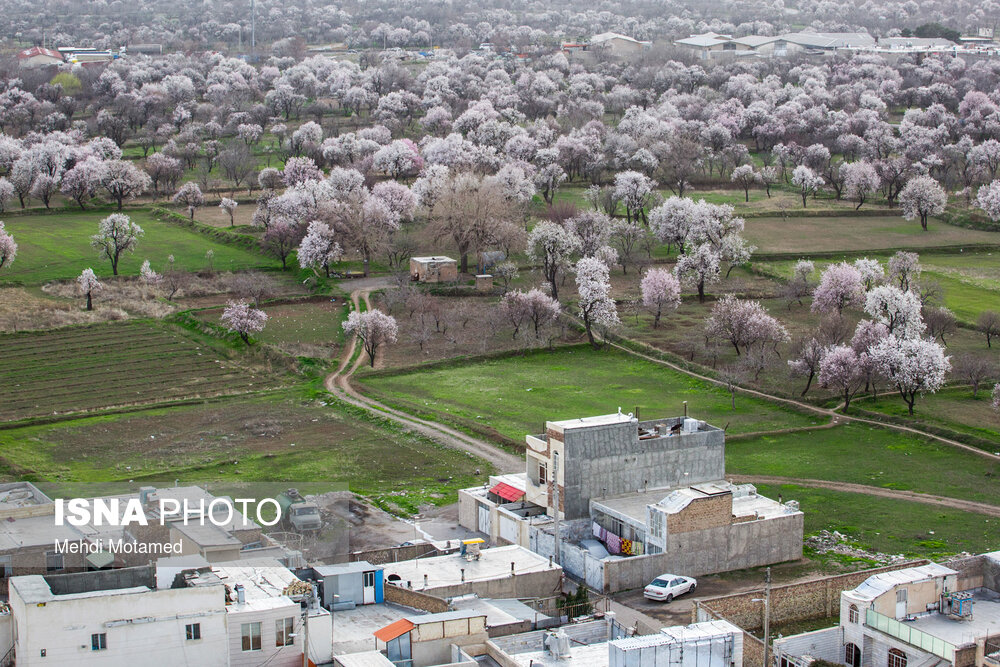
x=701, y=291
x=808, y=383
x=804, y=195
x=90, y=303
x=465, y=263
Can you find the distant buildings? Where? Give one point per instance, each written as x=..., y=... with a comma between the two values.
x=438, y=269
x=611, y=44
x=634, y=499
x=36, y=57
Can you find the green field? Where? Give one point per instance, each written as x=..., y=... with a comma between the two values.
x=952, y=409
x=281, y=436
x=868, y=455
x=517, y=395
x=314, y=322
x=892, y=526
x=57, y=247
x=88, y=368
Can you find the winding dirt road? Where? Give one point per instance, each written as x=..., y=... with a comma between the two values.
x=338, y=383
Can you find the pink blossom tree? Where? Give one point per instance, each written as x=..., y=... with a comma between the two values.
x=399, y=198
x=163, y=170
x=745, y=324
x=745, y=176
x=398, y=159
x=299, y=170
x=915, y=366
x=116, y=235
x=841, y=369
x=190, y=197
x=596, y=306
x=374, y=328
x=905, y=269
x=8, y=247
x=871, y=270
x=124, y=181
x=988, y=199
x=660, y=291
x=839, y=287
x=807, y=361
x=89, y=284
x=922, y=197
x=860, y=181
x=243, y=319
x=82, y=181
x=280, y=240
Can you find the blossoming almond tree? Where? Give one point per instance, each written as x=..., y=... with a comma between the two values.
x=229, y=206
x=597, y=308
x=88, y=285
x=915, y=366
x=243, y=319
x=839, y=287
x=841, y=369
x=922, y=197
x=374, y=328
x=190, y=197
x=8, y=247
x=660, y=291
x=116, y=235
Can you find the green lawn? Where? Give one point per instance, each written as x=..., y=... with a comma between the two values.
x=953, y=409
x=281, y=437
x=872, y=456
x=892, y=526
x=517, y=395
x=57, y=247
x=316, y=322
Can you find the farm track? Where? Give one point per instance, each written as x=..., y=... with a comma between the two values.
x=338, y=383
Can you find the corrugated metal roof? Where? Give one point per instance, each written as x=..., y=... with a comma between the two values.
x=877, y=584
x=393, y=630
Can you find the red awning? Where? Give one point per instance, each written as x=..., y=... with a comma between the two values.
x=507, y=492
x=393, y=630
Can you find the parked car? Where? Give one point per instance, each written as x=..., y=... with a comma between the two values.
x=668, y=586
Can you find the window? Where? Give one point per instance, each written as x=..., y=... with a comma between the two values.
x=192, y=631
x=251, y=636
x=896, y=658
x=656, y=523
x=852, y=655
x=53, y=561
x=900, y=595
x=283, y=630
x=99, y=642
x=542, y=472
x=368, y=579
x=6, y=569
x=852, y=615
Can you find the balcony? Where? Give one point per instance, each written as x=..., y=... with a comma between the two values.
x=903, y=632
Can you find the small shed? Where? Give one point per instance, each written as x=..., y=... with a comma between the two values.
x=437, y=269
x=348, y=585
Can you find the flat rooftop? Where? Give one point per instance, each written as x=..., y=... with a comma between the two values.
x=33, y=589
x=446, y=570
x=985, y=621
x=674, y=499
x=353, y=629
x=599, y=420
x=35, y=531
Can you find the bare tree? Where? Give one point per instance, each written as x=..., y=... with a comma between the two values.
x=975, y=369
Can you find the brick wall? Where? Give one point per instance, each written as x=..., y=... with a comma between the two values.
x=792, y=602
x=414, y=599
x=702, y=513
x=397, y=554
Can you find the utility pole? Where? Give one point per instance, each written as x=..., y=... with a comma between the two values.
x=253, y=29
x=305, y=631
x=767, y=616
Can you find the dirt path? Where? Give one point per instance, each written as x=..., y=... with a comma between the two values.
x=895, y=494
x=338, y=383
x=835, y=417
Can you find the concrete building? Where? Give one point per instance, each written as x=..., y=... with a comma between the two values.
x=37, y=56
x=926, y=615
x=711, y=46
x=653, y=490
x=617, y=44
x=437, y=269
x=501, y=572
x=348, y=585
x=433, y=639
x=116, y=618
x=604, y=644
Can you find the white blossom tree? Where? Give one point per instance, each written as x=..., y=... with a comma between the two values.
x=229, y=206
x=634, y=190
x=8, y=247
x=988, y=199
x=915, y=366
x=552, y=245
x=319, y=248
x=243, y=319
x=189, y=196
x=123, y=181
x=660, y=291
x=745, y=176
x=861, y=180
x=88, y=285
x=116, y=235
x=842, y=370
x=807, y=181
x=374, y=328
x=921, y=198
x=840, y=286
x=899, y=311
x=596, y=307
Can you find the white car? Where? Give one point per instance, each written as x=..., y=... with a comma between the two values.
x=668, y=586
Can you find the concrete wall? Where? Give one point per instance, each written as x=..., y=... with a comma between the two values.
x=501, y=648
x=575, y=561
x=527, y=585
x=431, y=643
x=790, y=603
x=286, y=656
x=611, y=460
x=415, y=599
x=63, y=629
x=722, y=549
x=826, y=644
x=397, y=554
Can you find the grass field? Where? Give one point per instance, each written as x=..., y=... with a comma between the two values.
x=868, y=455
x=953, y=409
x=281, y=436
x=87, y=368
x=852, y=234
x=516, y=395
x=314, y=322
x=57, y=247
x=892, y=526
